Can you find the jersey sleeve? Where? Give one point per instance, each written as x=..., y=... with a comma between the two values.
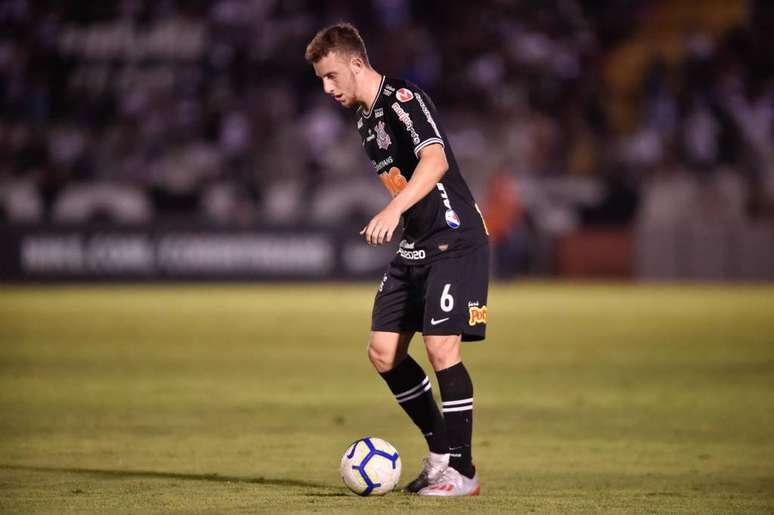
x=414, y=117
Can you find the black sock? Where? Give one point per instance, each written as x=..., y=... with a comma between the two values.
x=457, y=396
x=412, y=390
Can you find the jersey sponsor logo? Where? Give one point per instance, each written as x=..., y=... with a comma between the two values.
x=393, y=180
x=444, y=195
x=382, y=138
x=452, y=219
x=382, y=164
x=404, y=117
x=388, y=90
x=412, y=255
x=409, y=245
x=428, y=115
x=378, y=113
x=404, y=95
x=381, y=284
x=477, y=315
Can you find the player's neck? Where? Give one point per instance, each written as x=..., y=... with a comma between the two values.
x=370, y=89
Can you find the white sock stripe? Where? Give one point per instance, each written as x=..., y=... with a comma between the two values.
x=461, y=401
x=458, y=408
x=426, y=381
x=421, y=392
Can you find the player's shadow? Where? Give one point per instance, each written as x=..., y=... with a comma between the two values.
x=123, y=474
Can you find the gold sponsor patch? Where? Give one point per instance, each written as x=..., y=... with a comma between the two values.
x=477, y=315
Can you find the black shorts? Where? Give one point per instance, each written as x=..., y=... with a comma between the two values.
x=447, y=296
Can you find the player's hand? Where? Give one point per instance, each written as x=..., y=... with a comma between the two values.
x=379, y=230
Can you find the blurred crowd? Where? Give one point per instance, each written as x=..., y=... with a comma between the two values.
x=562, y=113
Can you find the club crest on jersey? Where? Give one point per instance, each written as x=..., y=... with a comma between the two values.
x=404, y=95
x=477, y=315
x=452, y=220
x=382, y=138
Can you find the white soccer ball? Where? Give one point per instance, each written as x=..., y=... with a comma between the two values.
x=370, y=466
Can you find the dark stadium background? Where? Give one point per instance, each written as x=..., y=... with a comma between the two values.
x=146, y=140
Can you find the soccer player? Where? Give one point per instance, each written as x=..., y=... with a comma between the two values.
x=437, y=282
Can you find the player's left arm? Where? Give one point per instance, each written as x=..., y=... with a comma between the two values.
x=430, y=169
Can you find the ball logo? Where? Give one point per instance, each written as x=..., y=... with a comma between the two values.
x=477, y=315
x=404, y=95
x=452, y=220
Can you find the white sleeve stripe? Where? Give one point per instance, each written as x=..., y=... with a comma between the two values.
x=412, y=390
x=425, y=143
x=422, y=392
x=460, y=408
x=461, y=401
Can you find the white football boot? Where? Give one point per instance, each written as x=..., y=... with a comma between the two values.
x=432, y=468
x=452, y=484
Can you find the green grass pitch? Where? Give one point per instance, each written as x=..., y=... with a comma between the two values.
x=223, y=399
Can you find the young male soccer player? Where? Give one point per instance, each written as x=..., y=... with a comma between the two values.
x=437, y=282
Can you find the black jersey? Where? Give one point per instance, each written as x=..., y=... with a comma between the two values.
x=447, y=221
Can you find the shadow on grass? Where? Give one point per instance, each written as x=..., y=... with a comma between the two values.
x=123, y=474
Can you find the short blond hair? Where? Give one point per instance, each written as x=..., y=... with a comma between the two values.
x=342, y=37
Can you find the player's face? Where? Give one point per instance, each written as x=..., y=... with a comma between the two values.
x=338, y=78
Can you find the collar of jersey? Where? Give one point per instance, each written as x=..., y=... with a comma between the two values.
x=376, y=99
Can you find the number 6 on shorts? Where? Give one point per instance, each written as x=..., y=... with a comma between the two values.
x=447, y=301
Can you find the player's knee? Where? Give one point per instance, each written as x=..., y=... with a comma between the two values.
x=379, y=356
x=386, y=353
x=443, y=351
x=374, y=356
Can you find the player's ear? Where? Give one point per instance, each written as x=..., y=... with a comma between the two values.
x=356, y=64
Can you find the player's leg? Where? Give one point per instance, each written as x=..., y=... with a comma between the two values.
x=388, y=353
x=456, y=388
x=396, y=316
x=445, y=317
x=459, y=479
x=455, y=310
x=443, y=351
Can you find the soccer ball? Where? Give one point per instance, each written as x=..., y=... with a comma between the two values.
x=370, y=466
